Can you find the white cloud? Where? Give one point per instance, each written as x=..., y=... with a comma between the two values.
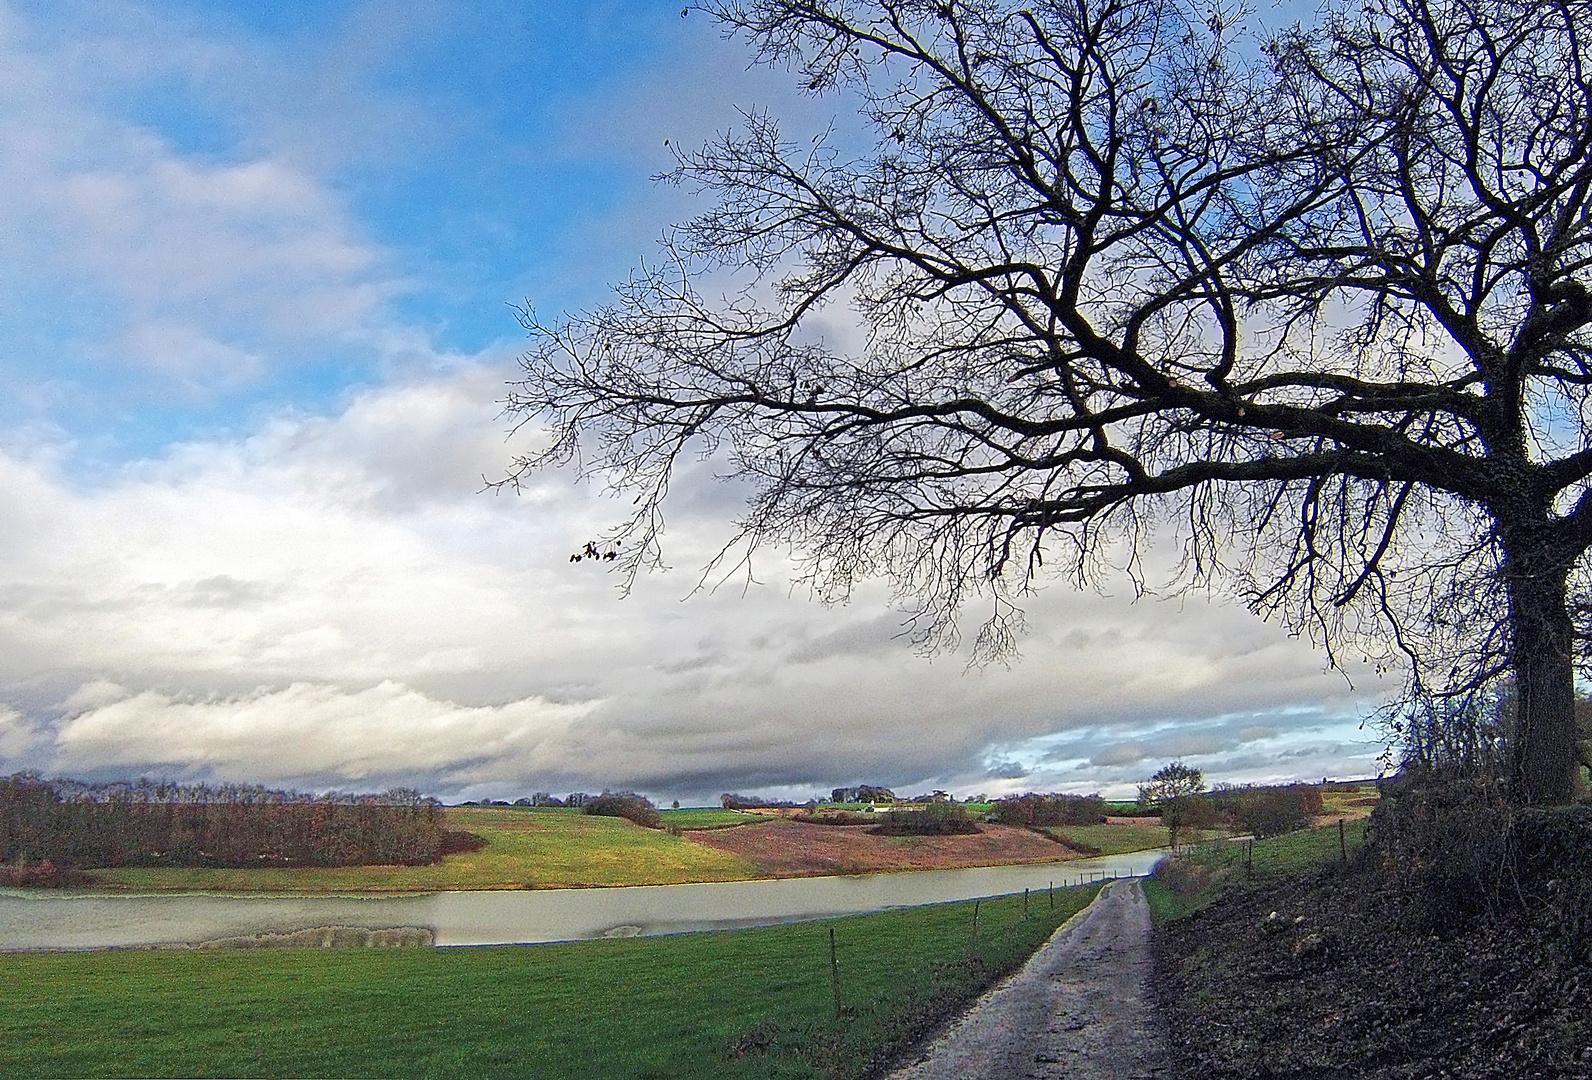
x=200, y=270
x=310, y=731
x=353, y=559
x=258, y=240
x=20, y=738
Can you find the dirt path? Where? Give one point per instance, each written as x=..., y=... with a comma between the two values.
x=1076, y=1011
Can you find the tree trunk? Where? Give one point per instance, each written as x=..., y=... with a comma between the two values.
x=1542, y=746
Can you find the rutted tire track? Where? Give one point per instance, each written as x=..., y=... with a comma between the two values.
x=1076, y=1011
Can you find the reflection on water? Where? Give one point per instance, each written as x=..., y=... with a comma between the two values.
x=51, y=919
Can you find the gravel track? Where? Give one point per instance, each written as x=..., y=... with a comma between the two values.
x=1076, y=1011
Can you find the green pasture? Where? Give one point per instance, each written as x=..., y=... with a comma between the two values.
x=738, y=1005
x=708, y=817
x=1353, y=800
x=539, y=848
x=1205, y=871
x=1110, y=839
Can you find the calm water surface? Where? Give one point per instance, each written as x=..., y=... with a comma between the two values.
x=69, y=919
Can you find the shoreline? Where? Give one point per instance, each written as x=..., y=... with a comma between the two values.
x=56, y=920
x=377, y=893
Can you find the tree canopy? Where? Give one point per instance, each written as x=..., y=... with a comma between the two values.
x=1313, y=300
x=1170, y=783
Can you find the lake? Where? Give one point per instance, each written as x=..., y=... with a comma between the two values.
x=72, y=919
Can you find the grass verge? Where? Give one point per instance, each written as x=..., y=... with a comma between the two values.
x=1197, y=877
x=733, y=1004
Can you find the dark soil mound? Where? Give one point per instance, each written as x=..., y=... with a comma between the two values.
x=927, y=828
x=1325, y=978
x=934, y=819
x=835, y=817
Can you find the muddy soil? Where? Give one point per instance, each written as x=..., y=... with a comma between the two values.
x=1341, y=984
x=1076, y=1011
x=795, y=849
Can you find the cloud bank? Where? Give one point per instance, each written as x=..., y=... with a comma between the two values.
x=334, y=600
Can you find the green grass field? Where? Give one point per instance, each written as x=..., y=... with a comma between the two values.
x=1112, y=839
x=710, y=818
x=738, y=1005
x=1353, y=800
x=525, y=849
x=1210, y=869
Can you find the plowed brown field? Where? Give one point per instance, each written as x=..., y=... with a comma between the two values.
x=796, y=849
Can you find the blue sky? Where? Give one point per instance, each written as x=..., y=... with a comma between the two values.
x=256, y=269
x=459, y=156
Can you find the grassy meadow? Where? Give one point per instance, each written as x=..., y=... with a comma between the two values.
x=526, y=849
x=710, y=817
x=738, y=1004
x=1111, y=838
x=1205, y=871
x=1349, y=800
x=546, y=848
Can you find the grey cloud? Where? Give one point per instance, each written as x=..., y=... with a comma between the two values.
x=699, y=662
x=1084, y=639
x=1193, y=744
x=223, y=591
x=1120, y=754
x=870, y=638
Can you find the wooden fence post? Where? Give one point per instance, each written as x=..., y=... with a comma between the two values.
x=1343, y=846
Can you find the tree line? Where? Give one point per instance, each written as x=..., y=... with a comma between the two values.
x=1034, y=809
x=158, y=823
x=1177, y=792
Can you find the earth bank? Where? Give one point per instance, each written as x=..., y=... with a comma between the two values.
x=1327, y=976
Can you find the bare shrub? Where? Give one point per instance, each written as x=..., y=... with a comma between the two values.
x=151, y=823
x=1276, y=810
x=834, y=817
x=1055, y=809
x=627, y=805
x=1458, y=849
x=1182, y=878
x=935, y=819
x=458, y=842
x=44, y=875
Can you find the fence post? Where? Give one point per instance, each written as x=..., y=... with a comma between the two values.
x=1051, y=892
x=975, y=922
x=1249, y=857
x=834, y=971
x=1343, y=846
x=1025, y=903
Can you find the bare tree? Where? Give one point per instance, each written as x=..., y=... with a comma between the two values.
x=1313, y=302
x=1174, y=790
